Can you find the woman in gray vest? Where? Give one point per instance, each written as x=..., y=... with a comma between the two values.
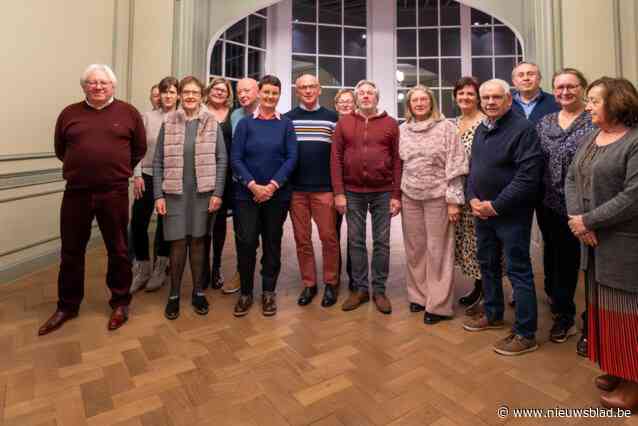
x=602, y=202
x=189, y=171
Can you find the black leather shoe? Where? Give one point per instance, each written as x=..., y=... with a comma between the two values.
x=329, y=296
x=473, y=297
x=432, y=319
x=415, y=307
x=581, y=346
x=307, y=295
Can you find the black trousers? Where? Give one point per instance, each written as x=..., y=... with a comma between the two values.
x=255, y=220
x=561, y=261
x=217, y=238
x=348, y=259
x=141, y=217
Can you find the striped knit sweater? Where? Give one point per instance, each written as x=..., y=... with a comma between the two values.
x=314, y=131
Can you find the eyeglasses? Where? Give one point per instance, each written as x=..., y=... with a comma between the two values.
x=98, y=83
x=191, y=93
x=219, y=90
x=345, y=103
x=307, y=87
x=568, y=87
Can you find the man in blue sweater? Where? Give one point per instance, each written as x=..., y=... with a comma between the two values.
x=503, y=185
x=312, y=197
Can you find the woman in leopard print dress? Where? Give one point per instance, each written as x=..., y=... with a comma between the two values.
x=466, y=96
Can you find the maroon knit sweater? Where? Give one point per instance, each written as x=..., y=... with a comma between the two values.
x=99, y=148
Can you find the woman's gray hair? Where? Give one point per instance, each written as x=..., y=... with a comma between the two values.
x=504, y=84
x=98, y=67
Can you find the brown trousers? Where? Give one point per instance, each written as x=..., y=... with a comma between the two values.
x=428, y=237
x=320, y=206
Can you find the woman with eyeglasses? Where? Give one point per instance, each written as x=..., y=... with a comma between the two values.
x=601, y=193
x=560, y=134
x=219, y=100
x=263, y=156
x=145, y=274
x=189, y=175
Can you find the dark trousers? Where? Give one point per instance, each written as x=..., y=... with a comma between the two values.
x=508, y=235
x=217, y=239
x=79, y=207
x=141, y=217
x=561, y=261
x=378, y=203
x=348, y=260
x=255, y=220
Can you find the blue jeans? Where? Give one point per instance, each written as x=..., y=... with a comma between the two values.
x=358, y=204
x=508, y=235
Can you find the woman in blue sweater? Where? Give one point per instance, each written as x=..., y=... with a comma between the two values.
x=263, y=156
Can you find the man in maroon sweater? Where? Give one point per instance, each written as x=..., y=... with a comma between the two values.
x=366, y=176
x=99, y=141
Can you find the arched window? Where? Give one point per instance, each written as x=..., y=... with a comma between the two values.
x=241, y=50
x=438, y=41
x=329, y=40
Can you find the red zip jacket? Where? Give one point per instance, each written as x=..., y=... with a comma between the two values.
x=365, y=155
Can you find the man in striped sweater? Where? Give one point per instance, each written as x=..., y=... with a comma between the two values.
x=312, y=196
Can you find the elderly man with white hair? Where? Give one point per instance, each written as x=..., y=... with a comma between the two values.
x=366, y=176
x=503, y=184
x=99, y=141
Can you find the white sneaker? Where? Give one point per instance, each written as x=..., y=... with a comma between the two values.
x=141, y=274
x=159, y=276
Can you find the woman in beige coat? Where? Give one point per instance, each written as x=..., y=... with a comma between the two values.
x=434, y=164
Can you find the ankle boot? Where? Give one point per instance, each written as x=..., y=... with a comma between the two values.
x=141, y=275
x=159, y=276
x=474, y=296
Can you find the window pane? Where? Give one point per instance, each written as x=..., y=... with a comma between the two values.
x=216, y=58
x=519, y=49
x=429, y=42
x=330, y=11
x=233, y=88
x=303, y=65
x=480, y=18
x=450, y=12
x=447, y=106
x=481, y=41
x=237, y=32
x=234, y=61
x=406, y=13
x=429, y=72
x=354, y=71
x=401, y=103
x=354, y=13
x=406, y=43
x=504, y=67
x=428, y=13
x=406, y=72
x=329, y=40
x=257, y=31
x=504, y=41
x=256, y=61
x=304, y=38
x=355, y=42
x=450, y=42
x=450, y=71
x=330, y=71
x=482, y=68
x=304, y=10
x=327, y=98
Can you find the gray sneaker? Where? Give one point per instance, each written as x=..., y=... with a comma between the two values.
x=515, y=344
x=159, y=276
x=141, y=275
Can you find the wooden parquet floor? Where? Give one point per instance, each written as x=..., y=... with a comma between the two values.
x=305, y=366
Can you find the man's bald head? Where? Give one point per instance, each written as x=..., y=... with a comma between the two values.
x=247, y=93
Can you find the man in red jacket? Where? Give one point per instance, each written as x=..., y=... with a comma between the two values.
x=99, y=140
x=366, y=176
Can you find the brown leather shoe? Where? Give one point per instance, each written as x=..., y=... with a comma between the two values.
x=355, y=299
x=607, y=382
x=625, y=397
x=118, y=317
x=56, y=321
x=382, y=302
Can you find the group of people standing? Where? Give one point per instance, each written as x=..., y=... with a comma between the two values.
x=466, y=188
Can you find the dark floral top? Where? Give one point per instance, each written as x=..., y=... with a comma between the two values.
x=559, y=146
